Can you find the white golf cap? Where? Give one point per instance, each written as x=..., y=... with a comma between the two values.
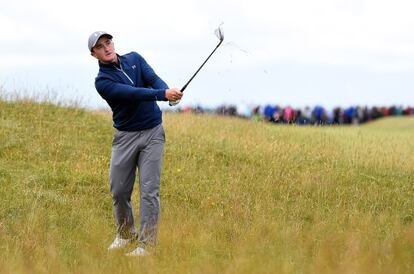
x=94, y=37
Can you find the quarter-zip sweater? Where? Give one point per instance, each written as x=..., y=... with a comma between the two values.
x=131, y=90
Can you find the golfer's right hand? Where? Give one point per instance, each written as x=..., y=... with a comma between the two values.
x=173, y=94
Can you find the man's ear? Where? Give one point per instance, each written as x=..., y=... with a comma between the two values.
x=93, y=54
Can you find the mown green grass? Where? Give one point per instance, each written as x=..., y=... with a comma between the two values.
x=237, y=196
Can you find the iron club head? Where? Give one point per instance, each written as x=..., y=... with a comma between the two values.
x=219, y=33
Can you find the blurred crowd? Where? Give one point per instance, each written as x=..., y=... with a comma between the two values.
x=307, y=115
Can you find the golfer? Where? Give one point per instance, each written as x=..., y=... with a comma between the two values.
x=131, y=88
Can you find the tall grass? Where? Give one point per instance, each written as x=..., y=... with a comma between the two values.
x=237, y=196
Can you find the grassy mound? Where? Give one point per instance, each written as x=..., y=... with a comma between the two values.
x=399, y=124
x=237, y=196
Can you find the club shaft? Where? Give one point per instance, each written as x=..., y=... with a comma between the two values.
x=192, y=77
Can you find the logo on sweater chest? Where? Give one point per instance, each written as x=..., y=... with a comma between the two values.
x=133, y=66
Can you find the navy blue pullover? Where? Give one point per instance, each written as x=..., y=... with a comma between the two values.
x=131, y=90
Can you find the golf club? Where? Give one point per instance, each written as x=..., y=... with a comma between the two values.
x=220, y=35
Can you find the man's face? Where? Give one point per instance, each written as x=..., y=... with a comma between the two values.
x=104, y=50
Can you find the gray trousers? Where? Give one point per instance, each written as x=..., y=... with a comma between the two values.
x=132, y=150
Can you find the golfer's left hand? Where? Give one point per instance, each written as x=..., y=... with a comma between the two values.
x=173, y=94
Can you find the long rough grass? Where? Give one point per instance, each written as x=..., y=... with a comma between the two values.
x=237, y=196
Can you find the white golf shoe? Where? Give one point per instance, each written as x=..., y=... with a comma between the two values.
x=119, y=243
x=139, y=251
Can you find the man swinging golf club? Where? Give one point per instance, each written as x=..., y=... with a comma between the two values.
x=131, y=88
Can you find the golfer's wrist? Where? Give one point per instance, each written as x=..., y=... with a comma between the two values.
x=161, y=95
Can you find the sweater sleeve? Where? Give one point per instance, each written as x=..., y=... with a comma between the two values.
x=111, y=90
x=149, y=75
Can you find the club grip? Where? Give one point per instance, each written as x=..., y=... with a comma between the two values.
x=173, y=103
